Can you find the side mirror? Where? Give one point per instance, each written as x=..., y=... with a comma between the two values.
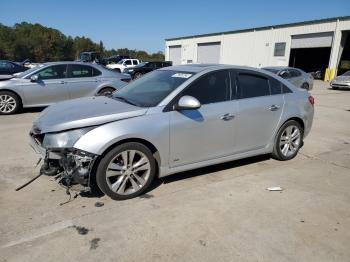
x=187, y=103
x=34, y=78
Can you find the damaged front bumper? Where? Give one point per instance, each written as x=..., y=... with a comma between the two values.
x=71, y=167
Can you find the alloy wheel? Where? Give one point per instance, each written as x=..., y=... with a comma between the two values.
x=7, y=104
x=128, y=172
x=290, y=140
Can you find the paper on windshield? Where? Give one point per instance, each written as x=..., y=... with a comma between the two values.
x=182, y=75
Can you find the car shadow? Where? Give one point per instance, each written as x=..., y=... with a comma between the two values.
x=207, y=170
x=96, y=193
x=32, y=110
x=339, y=89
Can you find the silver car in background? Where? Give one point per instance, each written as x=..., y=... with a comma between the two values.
x=57, y=81
x=171, y=120
x=296, y=76
x=342, y=81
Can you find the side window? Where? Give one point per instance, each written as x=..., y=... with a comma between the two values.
x=80, y=71
x=286, y=90
x=211, y=88
x=127, y=62
x=294, y=73
x=96, y=72
x=285, y=74
x=53, y=72
x=275, y=86
x=252, y=85
x=135, y=62
x=6, y=65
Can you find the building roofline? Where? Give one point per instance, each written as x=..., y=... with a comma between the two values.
x=310, y=22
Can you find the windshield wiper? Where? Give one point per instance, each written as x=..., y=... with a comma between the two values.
x=125, y=100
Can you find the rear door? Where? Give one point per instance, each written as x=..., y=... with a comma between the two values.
x=49, y=88
x=207, y=132
x=259, y=110
x=82, y=80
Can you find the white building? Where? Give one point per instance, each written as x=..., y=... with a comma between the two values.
x=312, y=45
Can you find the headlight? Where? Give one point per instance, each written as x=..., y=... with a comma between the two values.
x=64, y=139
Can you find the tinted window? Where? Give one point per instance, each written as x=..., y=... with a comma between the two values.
x=294, y=73
x=135, y=62
x=211, y=88
x=127, y=62
x=80, y=71
x=275, y=86
x=53, y=72
x=6, y=65
x=252, y=85
x=285, y=74
x=285, y=89
x=96, y=72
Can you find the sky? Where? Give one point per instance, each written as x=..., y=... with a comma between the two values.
x=144, y=25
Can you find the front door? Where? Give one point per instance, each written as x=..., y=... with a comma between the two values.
x=208, y=132
x=259, y=112
x=48, y=89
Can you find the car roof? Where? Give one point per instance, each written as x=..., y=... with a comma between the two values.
x=279, y=67
x=196, y=68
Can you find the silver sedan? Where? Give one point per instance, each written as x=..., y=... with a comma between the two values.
x=171, y=120
x=342, y=81
x=53, y=82
x=296, y=76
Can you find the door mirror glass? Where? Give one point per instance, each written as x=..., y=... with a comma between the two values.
x=34, y=78
x=187, y=103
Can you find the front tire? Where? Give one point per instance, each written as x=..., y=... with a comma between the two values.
x=288, y=141
x=126, y=171
x=106, y=91
x=137, y=75
x=9, y=103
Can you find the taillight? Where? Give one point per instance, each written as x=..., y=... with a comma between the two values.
x=311, y=100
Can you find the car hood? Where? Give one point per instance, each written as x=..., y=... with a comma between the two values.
x=342, y=79
x=84, y=112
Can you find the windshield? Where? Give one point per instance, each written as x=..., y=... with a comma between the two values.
x=275, y=71
x=29, y=71
x=152, y=88
x=347, y=73
x=121, y=61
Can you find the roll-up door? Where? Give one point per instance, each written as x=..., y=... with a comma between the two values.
x=312, y=40
x=175, y=54
x=208, y=52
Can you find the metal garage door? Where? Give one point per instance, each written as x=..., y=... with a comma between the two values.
x=312, y=40
x=175, y=54
x=208, y=53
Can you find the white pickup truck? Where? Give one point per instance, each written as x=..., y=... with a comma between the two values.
x=123, y=64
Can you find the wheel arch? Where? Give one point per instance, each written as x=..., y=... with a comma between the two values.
x=149, y=145
x=14, y=92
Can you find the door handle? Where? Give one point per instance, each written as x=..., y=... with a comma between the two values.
x=62, y=82
x=274, y=107
x=227, y=117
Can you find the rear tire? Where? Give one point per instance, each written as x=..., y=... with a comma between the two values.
x=288, y=141
x=10, y=103
x=126, y=171
x=305, y=86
